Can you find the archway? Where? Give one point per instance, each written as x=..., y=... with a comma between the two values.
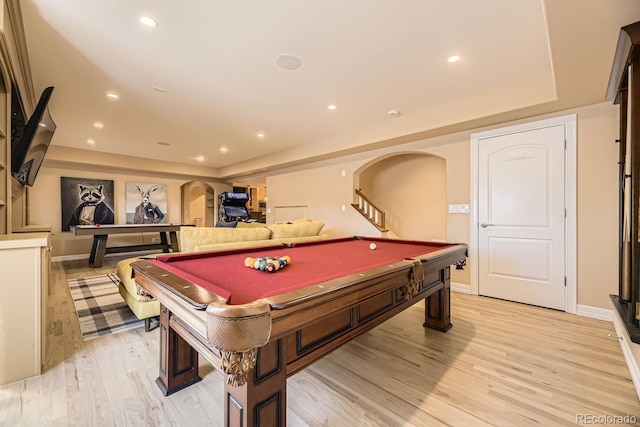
x=411, y=189
x=198, y=204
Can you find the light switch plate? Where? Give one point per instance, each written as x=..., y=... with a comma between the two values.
x=458, y=209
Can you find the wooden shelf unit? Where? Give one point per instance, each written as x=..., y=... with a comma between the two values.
x=624, y=89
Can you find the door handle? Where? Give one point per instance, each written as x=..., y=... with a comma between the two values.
x=485, y=225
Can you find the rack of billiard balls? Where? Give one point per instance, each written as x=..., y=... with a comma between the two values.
x=269, y=264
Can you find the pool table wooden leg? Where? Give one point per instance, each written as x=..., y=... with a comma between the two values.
x=437, y=306
x=178, y=360
x=263, y=399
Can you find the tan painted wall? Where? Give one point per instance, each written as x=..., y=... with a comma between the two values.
x=196, y=207
x=396, y=180
x=324, y=190
x=457, y=155
x=597, y=256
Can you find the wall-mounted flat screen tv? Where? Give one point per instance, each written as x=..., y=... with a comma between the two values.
x=30, y=141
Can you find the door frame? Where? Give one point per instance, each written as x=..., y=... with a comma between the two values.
x=570, y=178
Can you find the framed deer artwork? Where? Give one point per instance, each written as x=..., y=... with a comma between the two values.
x=146, y=203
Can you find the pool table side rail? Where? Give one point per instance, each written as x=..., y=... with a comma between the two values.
x=180, y=306
x=433, y=260
x=198, y=297
x=369, y=239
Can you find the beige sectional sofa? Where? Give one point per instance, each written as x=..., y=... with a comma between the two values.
x=194, y=239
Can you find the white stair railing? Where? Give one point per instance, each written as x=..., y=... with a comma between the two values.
x=367, y=209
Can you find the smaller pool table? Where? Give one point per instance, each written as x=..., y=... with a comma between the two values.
x=262, y=327
x=100, y=233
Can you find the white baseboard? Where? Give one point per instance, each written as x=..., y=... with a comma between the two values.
x=594, y=312
x=630, y=350
x=69, y=258
x=460, y=287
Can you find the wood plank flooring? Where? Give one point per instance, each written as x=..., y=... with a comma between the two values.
x=502, y=364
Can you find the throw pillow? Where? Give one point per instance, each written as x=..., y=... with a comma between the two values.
x=227, y=224
x=301, y=229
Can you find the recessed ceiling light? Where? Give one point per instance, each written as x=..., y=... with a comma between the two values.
x=393, y=112
x=332, y=107
x=113, y=96
x=91, y=141
x=200, y=158
x=98, y=125
x=164, y=143
x=224, y=150
x=148, y=21
x=453, y=58
x=260, y=135
x=288, y=62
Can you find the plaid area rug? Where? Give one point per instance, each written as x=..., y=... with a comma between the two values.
x=100, y=308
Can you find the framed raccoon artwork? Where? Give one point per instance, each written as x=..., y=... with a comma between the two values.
x=86, y=201
x=146, y=203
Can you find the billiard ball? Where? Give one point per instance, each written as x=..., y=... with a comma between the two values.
x=372, y=246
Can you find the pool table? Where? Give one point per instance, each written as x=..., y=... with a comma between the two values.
x=100, y=233
x=261, y=327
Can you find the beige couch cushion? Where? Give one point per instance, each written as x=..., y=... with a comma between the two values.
x=257, y=243
x=251, y=225
x=295, y=221
x=305, y=219
x=260, y=224
x=234, y=245
x=300, y=229
x=190, y=237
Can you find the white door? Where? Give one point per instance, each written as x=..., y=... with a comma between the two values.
x=521, y=215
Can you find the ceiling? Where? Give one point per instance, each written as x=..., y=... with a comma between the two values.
x=209, y=76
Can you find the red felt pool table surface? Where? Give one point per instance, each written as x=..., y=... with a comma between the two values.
x=223, y=273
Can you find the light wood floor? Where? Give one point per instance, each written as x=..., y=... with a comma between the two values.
x=502, y=364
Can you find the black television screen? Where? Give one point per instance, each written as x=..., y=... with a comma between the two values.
x=236, y=211
x=30, y=141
